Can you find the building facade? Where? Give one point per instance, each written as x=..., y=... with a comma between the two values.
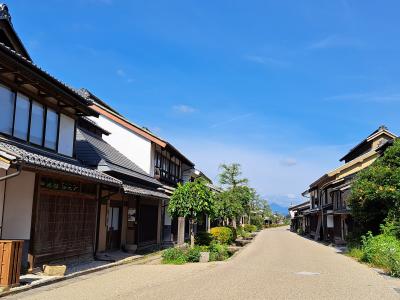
x=157, y=157
x=328, y=216
x=47, y=197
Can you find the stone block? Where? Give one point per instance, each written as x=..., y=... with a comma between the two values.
x=131, y=248
x=204, y=257
x=54, y=270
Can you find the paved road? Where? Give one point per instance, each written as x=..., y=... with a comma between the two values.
x=278, y=265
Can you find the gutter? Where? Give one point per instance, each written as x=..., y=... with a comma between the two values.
x=19, y=170
x=8, y=158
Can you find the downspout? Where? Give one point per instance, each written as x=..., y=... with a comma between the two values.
x=19, y=170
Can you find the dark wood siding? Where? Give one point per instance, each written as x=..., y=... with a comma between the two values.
x=337, y=226
x=65, y=225
x=148, y=222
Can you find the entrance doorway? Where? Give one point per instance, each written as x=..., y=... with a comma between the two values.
x=114, y=224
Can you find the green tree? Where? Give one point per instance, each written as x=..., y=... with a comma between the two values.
x=230, y=175
x=375, y=193
x=191, y=200
x=228, y=206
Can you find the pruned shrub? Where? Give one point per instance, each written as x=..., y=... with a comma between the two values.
x=257, y=221
x=250, y=228
x=203, y=238
x=242, y=233
x=193, y=254
x=234, y=233
x=223, y=235
x=175, y=256
x=218, y=252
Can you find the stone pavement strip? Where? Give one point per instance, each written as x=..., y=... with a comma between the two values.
x=277, y=265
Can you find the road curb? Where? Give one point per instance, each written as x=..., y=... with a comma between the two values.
x=136, y=260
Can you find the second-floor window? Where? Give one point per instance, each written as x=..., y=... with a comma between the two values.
x=168, y=166
x=28, y=120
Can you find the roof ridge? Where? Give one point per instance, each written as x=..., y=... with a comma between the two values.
x=379, y=129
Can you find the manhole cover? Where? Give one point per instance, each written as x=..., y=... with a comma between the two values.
x=304, y=273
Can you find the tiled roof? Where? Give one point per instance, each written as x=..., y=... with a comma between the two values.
x=129, y=189
x=39, y=70
x=95, y=152
x=40, y=158
x=98, y=102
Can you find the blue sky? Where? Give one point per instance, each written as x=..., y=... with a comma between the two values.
x=283, y=87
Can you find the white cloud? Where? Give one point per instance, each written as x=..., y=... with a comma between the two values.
x=288, y=162
x=121, y=73
x=335, y=41
x=267, y=61
x=184, y=109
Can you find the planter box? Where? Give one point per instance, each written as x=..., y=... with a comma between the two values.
x=10, y=262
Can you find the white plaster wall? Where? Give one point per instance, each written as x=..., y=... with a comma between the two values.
x=66, y=135
x=18, y=206
x=137, y=148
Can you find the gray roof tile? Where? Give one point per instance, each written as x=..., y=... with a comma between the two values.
x=41, y=158
x=94, y=151
x=134, y=190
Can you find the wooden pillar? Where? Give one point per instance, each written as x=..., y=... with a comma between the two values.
x=124, y=222
x=181, y=231
x=159, y=222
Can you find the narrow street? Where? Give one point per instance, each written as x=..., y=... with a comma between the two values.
x=278, y=265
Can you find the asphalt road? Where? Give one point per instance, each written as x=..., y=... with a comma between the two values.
x=277, y=265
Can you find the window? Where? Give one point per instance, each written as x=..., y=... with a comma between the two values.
x=51, y=129
x=37, y=116
x=21, y=121
x=66, y=135
x=25, y=119
x=7, y=107
x=168, y=165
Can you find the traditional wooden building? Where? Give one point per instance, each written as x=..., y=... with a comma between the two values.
x=47, y=197
x=330, y=216
x=130, y=218
x=155, y=156
x=298, y=217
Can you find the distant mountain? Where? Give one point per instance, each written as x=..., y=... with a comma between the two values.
x=276, y=208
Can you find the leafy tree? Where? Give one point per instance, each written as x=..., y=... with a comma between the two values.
x=230, y=175
x=375, y=193
x=192, y=200
x=228, y=205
